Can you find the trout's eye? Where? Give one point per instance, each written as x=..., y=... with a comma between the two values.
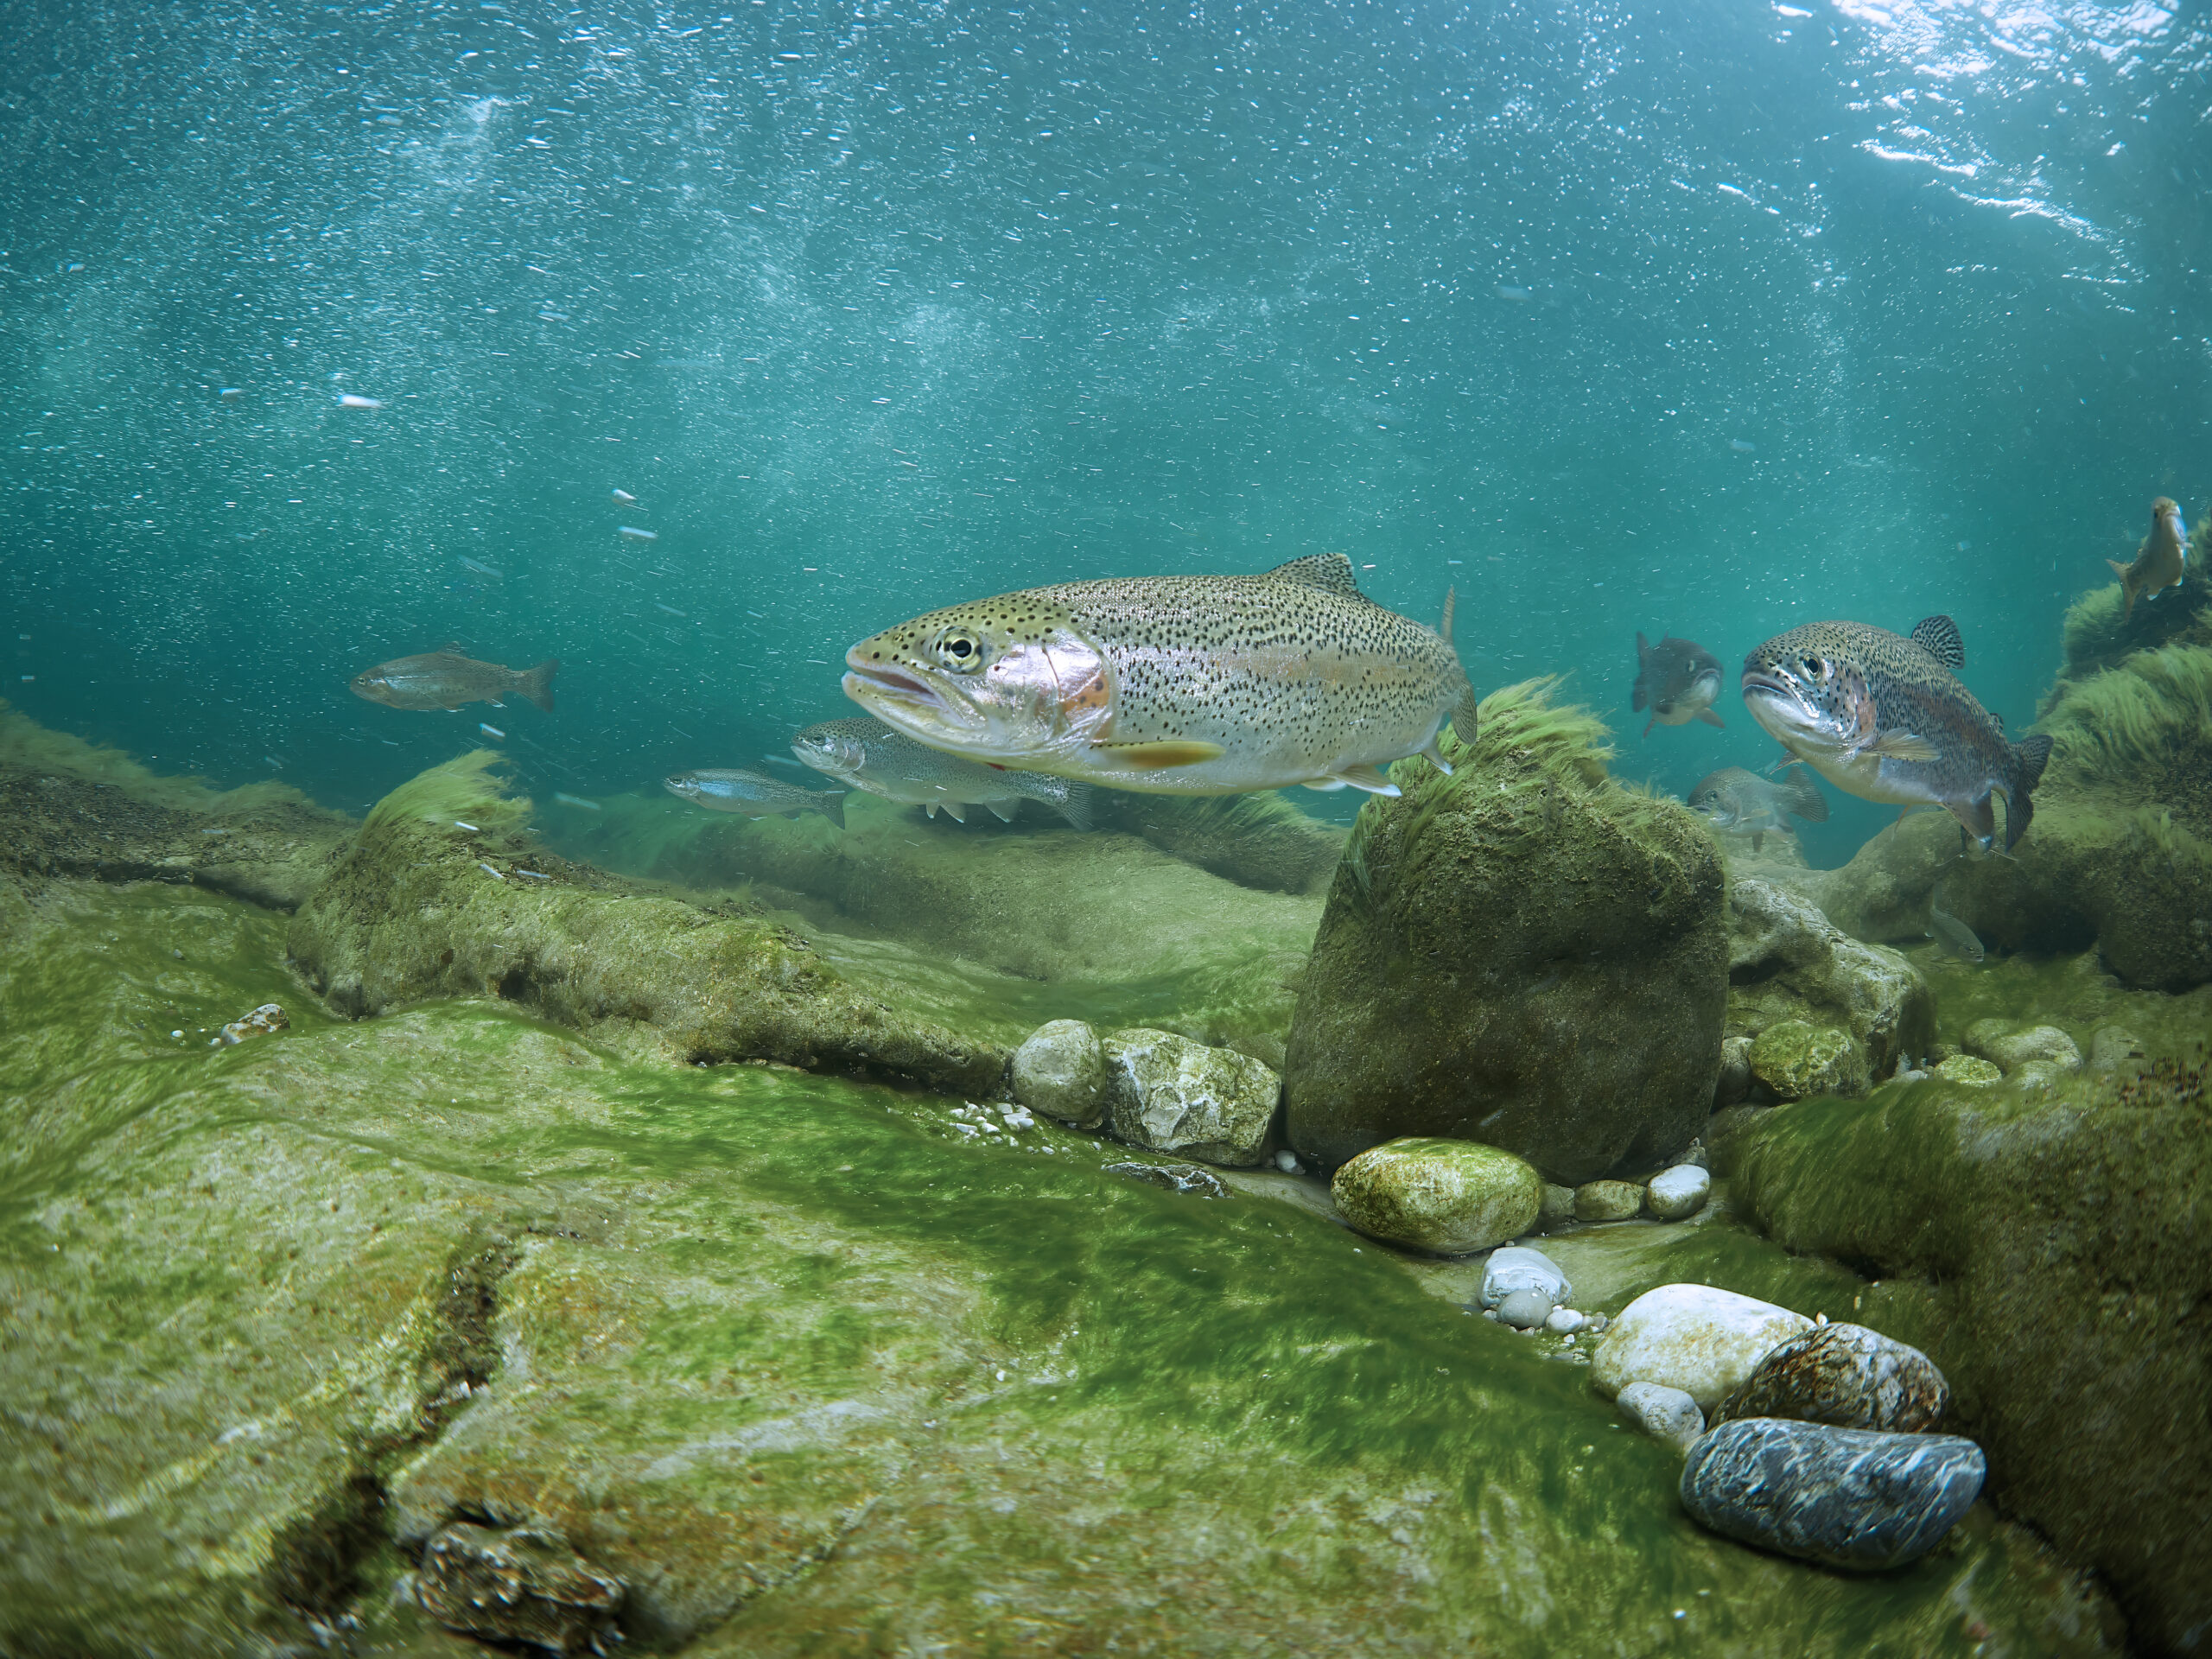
x=958, y=650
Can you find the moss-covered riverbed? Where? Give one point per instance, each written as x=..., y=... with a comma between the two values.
x=814, y=1366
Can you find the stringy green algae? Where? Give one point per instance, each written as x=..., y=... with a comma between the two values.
x=754, y=1324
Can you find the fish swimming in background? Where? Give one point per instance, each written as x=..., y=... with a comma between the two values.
x=1953, y=935
x=1678, y=680
x=867, y=755
x=445, y=679
x=2161, y=562
x=1733, y=799
x=754, y=795
x=1885, y=718
x=1175, y=686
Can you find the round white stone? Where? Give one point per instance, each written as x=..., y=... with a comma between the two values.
x=1515, y=1267
x=1678, y=1193
x=1703, y=1341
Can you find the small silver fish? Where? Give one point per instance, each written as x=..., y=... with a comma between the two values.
x=1953, y=935
x=867, y=755
x=1678, y=680
x=754, y=796
x=1735, y=799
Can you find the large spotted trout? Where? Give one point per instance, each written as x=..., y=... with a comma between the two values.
x=1885, y=718
x=1175, y=686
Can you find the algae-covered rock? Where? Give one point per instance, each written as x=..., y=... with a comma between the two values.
x=1795, y=1060
x=2010, y=1047
x=1524, y=953
x=1170, y=1094
x=1608, y=1201
x=1789, y=965
x=1450, y=1196
x=793, y=1359
x=438, y=895
x=1060, y=1071
x=1968, y=1070
x=69, y=808
x=2065, y=1234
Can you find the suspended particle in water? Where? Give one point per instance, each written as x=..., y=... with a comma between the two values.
x=632, y=533
x=575, y=800
x=229, y=394
x=489, y=731
x=354, y=400
x=1743, y=445
x=622, y=498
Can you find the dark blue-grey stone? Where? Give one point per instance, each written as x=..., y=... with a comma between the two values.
x=1847, y=1497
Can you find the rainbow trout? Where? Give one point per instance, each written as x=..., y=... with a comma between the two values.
x=1175, y=686
x=445, y=679
x=754, y=795
x=1734, y=799
x=1678, y=680
x=2161, y=562
x=1885, y=718
x=867, y=755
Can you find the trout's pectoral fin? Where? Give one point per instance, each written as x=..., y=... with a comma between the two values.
x=1324, y=784
x=1649, y=724
x=1366, y=778
x=495, y=703
x=1002, y=810
x=1775, y=768
x=1977, y=821
x=1901, y=745
x=1710, y=718
x=1160, y=755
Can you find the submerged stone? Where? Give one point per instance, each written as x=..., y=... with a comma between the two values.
x=1169, y=1093
x=1517, y=1267
x=1846, y=1375
x=1608, y=1201
x=1678, y=1193
x=2009, y=1047
x=1845, y=1498
x=1449, y=1197
x=1797, y=1060
x=1694, y=1338
x=1061, y=1071
x=1965, y=1068
x=1524, y=1310
x=1173, y=1178
x=525, y=1586
x=1666, y=1414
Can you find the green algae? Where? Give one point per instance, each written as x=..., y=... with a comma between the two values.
x=816, y=1368
x=469, y=789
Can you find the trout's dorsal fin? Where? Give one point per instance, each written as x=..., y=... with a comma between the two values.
x=1939, y=637
x=1332, y=571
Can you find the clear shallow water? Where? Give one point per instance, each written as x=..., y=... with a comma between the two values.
x=1702, y=321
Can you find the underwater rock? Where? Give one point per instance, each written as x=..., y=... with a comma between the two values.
x=1525, y=1310
x=1430, y=1194
x=1966, y=1068
x=1061, y=1071
x=1666, y=1415
x=1608, y=1201
x=414, y=909
x=2059, y=1237
x=1788, y=963
x=1556, y=1205
x=1735, y=1082
x=71, y=810
x=1846, y=1375
x=1517, y=1267
x=2112, y=1047
x=1703, y=1341
x=1565, y=1321
x=1678, y=1193
x=524, y=1586
x=2003, y=1045
x=1846, y=1497
x=1524, y=953
x=1173, y=1178
x=263, y=1020
x=1795, y=1061
x=1169, y=1093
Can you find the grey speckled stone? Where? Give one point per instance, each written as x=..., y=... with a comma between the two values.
x=1677, y=1194
x=1607, y=1201
x=1846, y=1375
x=1061, y=1071
x=1169, y=1093
x=1846, y=1497
x=1664, y=1414
x=1524, y=1310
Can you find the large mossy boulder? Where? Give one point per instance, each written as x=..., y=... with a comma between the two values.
x=2056, y=1242
x=1523, y=953
x=441, y=895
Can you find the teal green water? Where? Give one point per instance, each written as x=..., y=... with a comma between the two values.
x=1692, y=320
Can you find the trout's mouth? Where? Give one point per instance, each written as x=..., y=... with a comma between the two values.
x=910, y=702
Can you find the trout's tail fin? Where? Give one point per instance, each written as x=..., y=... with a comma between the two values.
x=536, y=685
x=2126, y=587
x=833, y=806
x=1075, y=807
x=1800, y=795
